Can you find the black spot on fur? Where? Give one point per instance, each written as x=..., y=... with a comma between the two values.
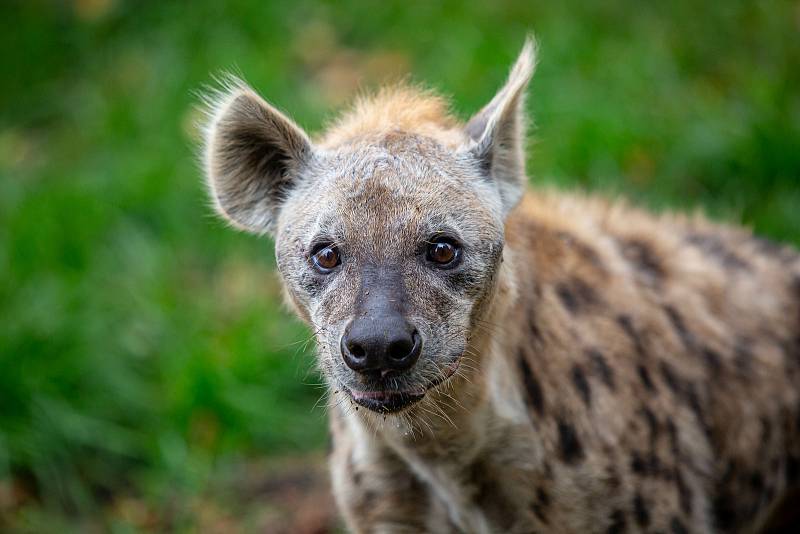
x=717, y=249
x=637, y=464
x=693, y=399
x=486, y=488
x=547, y=471
x=617, y=525
x=576, y=295
x=543, y=497
x=658, y=468
x=792, y=469
x=756, y=482
x=652, y=423
x=743, y=356
x=674, y=442
x=587, y=253
x=539, y=513
x=675, y=318
x=571, y=448
x=534, y=397
x=640, y=511
x=695, y=404
x=684, y=493
x=797, y=417
x=766, y=431
x=601, y=368
x=355, y=474
x=677, y=526
x=712, y=360
x=582, y=385
x=674, y=383
x=613, y=481
x=540, y=505
x=775, y=250
x=364, y=501
x=568, y=298
x=643, y=259
x=536, y=331
x=769, y=493
x=626, y=324
x=648, y=465
x=686, y=392
x=644, y=376
x=726, y=512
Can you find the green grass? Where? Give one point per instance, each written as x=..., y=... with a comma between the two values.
x=143, y=348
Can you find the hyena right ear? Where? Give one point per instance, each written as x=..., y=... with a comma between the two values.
x=253, y=155
x=497, y=132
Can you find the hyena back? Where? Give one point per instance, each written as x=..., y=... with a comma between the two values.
x=503, y=360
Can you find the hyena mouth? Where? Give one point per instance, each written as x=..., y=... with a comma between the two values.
x=385, y=401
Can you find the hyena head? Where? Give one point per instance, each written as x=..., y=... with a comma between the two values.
x=388, y=230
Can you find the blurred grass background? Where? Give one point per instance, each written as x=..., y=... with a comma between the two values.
x=146, y=365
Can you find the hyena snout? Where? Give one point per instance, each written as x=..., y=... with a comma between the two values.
x=379, y=346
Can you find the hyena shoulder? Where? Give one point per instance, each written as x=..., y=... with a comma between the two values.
x=668, y=348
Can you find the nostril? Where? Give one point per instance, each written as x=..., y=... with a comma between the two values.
x=356, y=350
x=400, y=349
x=403, y=349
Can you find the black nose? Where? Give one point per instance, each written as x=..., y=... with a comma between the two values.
x=380, y=345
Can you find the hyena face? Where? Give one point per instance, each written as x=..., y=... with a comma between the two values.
x=389, y=250
x=388, y=238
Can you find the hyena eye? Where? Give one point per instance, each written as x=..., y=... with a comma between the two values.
x=444, y=252
x=325, y=257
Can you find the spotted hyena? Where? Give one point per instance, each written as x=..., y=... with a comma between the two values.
x=511, y=360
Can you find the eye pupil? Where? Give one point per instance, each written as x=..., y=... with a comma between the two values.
x=326, y=258
x=442, y=252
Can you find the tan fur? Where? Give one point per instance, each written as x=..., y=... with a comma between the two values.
x=395, y=108
x=618, y=371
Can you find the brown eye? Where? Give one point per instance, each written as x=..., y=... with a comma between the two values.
x=325, y=258
x=444, y=253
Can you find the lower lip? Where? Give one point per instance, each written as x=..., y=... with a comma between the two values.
x=393, y=401
x=385, y=401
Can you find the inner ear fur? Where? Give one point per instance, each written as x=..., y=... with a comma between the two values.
x=497, y=133
x=253, y=158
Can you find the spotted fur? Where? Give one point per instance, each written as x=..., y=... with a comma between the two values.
x=590, y=367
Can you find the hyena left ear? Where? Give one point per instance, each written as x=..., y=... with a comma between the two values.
x=254, y=155
x=497, y=132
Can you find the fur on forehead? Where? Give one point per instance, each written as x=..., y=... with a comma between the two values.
x=400, y=107
x=393, y=186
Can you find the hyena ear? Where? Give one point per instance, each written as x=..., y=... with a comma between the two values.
x=497, y=132
x=253, y=156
